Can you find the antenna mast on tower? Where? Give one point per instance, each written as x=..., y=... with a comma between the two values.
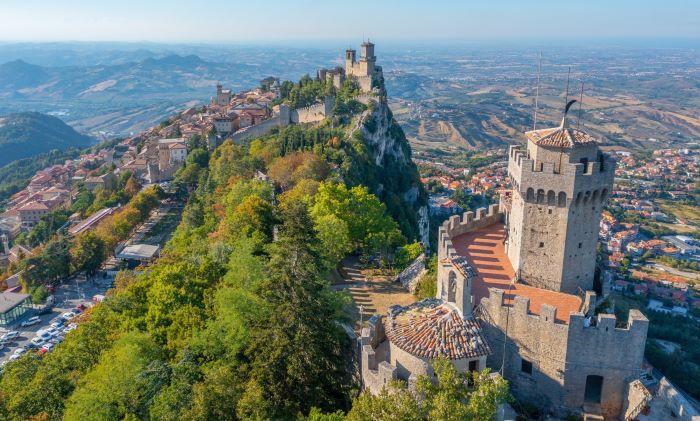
x=537, y=90
x=568, y=76
x=580, y=104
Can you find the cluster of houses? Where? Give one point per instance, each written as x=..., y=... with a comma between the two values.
x=678, y=167
x=490, y=178
x=230, y=112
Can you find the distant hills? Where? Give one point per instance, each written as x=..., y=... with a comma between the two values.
x=24, y=135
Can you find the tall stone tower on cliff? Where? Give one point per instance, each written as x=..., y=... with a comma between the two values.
x=560, y=184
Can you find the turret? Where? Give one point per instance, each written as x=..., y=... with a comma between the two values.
x=561, y=182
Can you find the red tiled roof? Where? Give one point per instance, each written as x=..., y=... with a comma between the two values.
x=34, y=206
x=561, y=137
x=433, y=328
x=485, y=251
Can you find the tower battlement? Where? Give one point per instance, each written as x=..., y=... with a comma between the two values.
x=569, y=178
x=560, y=184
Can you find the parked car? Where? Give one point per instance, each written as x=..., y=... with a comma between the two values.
x=31, y=321
x=37, y=342
x=68, y=315
x=14, y=357
x=44, y=334
x=44, y=310
x=19, y=351
x=48, y=347
x=77, y=311
x=70, y=327
x=58, y=324
x=9, y=336
x=52, y=331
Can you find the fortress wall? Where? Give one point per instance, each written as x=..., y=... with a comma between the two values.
x=313, y=113
x=605, y=350
x=538, y=339
x=375, y=374
x=310, y=114
x=456, y=225
x=676, y=402
x=260, y=129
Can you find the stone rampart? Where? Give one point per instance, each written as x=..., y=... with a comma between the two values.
x=600, y=347
x=260, y=129
x=469, y=221
x=375, y=374
x=676, y=402
x=313, y=113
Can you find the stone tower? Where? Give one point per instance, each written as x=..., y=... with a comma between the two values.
x=560, y=184
x=367, y=59
x=349, y=58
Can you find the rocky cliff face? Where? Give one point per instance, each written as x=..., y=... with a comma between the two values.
x=397, y=181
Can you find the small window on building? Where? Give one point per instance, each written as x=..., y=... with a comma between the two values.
x=526, y=366
x=541, y=244
x=580, y=245
x=550, y=212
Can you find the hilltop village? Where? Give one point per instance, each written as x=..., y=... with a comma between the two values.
x=547, y=257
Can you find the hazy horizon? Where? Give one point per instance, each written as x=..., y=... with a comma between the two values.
x=220, y=22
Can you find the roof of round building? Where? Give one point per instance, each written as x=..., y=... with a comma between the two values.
x=432, y=328
x=560, y=137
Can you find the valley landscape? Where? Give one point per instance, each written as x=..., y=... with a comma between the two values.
x=484, y=211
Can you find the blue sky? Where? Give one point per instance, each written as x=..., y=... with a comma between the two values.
x=235, y=21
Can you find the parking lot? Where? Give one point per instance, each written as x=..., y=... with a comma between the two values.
x=69, y=295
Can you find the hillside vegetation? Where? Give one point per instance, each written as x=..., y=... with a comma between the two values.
x=25, y=135
x=237, y=320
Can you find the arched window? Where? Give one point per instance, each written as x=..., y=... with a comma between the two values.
x=604, y=195
x=562, y=199
x=579, y=196
x=595, y=196
x=586, y=196
x=540, y=196
x=551, y=198
x=452, y=287
x=530, y=197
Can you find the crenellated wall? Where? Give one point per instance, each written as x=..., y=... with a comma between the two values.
x=563, y=355
x=313, y=113
x=376, y=371
x=454, y=283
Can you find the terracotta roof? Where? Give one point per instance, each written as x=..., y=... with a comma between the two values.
x=560, y=137
x=34, y=206
x=486, y=254
x=433, y=328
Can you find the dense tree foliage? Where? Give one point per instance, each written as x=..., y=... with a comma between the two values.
x=237, y=320
x=450, y=398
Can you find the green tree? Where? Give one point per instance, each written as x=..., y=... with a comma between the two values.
x=297, y=352
x=335, y=239
x=450, y=398
x=121, y=384
x=368, y=224
x=88, y=252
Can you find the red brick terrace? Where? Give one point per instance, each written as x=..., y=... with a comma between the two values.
x=485, y=251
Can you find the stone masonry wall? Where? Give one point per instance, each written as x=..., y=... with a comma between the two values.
x=260, y=129
x=674, y=401
x=562, y=355
x=553, y=222
x=539, y=340
x=614, y=353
